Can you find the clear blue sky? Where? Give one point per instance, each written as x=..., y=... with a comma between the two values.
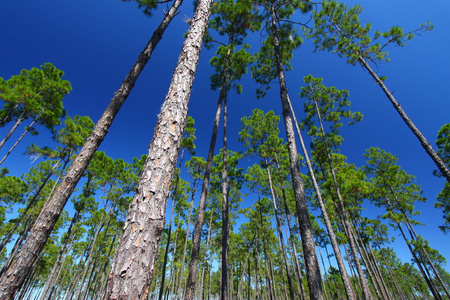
x=96, y=42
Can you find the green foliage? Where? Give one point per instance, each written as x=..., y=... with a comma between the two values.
x=147, y=6
x=35, y=92
x=443, y=199
x=392, y=188
x=338, y=28
x=265, y=70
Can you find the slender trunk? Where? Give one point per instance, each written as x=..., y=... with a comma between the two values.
x=340, y=261
x=8, y=135
x=56, y=266
x=208, y=239
x=225, y=206
x=30, y=205
x=419, y=265
x=423, y=141
x=89, y=257
x=180, y=283
x=309, y=251
x=11, y=281
x=323, y=277
x=424, y=251
x=18, y=140
x=280, y=234
x=190, y=285
x=346, y=221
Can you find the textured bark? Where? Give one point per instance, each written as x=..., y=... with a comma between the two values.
x=11, y=281
x=340, y=261
x=134, y=262
x=193, y=264
x=309, y=251
x=423, y=141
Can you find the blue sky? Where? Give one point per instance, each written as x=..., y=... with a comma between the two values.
x=96, y=42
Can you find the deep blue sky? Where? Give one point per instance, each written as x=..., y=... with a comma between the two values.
x=96, y=42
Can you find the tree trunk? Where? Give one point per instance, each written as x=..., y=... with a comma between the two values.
x=423, y=141
x=208, y=240
x=18, y=140
x=309, y=251
x=11, y=281
x=8, y=135
x=280, y=234
x=191, y=282
x=132, y=271
x=225, y=206
x=340, y=261
x=345, y=217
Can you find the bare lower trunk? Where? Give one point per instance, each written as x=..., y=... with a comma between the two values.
x=18, y=140
x=423, y=141
x=11, y=131
x=11, y=281
x=225, y=214
x=132, y=270
x=309, y=251
x=191, y=282
x=340, y=261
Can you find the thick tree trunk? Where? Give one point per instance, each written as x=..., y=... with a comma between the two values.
x=11, y=281
x=133, y=267
x=191, y=282
x=309, y=251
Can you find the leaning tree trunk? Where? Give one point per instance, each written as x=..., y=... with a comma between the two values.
x=27, y=129
x=11, y=131
x=11, y=281
x=309, y=251
x=225, y=206
x=423, y=141
x=134, y=262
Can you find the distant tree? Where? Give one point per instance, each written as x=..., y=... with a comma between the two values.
x=35, y=94
x=443, y=199
x=338, y=29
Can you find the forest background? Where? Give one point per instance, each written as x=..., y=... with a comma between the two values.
x=96, y=42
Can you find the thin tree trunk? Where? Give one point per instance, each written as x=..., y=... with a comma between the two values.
x=340, y=261
x=225, y=206
x=190, y=285
x=208, y=239
x=11, y=131
x=180, y=283
x=19, y=139
x=346, y=222
x=11, y=281
x=423, y=141
x=280, y=234
x=56, y=266
x=309, y=251
x=89, y=256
